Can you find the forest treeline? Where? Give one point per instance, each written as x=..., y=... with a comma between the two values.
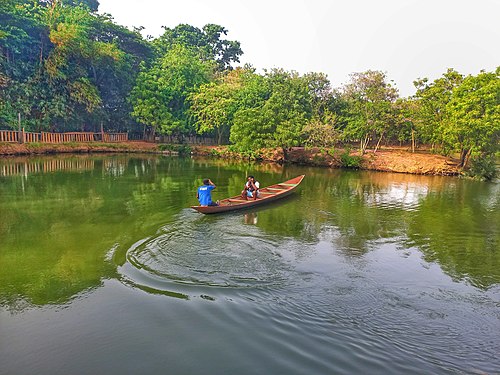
x=65, y=67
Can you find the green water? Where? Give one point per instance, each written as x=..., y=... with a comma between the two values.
x=104, y=268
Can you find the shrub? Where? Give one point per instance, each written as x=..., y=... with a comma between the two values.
x=215, y=152
x=350, y=161
x=181, y=149
x=483, y=168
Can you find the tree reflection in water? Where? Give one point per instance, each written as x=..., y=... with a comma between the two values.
x=59, y=224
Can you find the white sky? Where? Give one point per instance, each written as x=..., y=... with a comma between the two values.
x=407, y=39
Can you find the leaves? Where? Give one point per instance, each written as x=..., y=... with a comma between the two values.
x=207, y=43
x=160, y=96
x=370, y=106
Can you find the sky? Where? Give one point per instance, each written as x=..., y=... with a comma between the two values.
x=406, y=39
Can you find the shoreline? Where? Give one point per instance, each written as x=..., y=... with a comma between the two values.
x=397, y=160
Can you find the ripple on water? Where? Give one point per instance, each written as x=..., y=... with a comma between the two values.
x=207, y=252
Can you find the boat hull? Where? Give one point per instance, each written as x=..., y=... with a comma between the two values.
x=268, y=194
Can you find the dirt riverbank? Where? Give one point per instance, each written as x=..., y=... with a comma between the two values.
x=50, y=148
x=387, y=160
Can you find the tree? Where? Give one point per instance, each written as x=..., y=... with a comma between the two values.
x=22, y=41
x=369, y=112
x=472, y=117
x=320, y=134
x=273, y=110
x=433, y=98
x=76, y=61
x=93, y=5
x=159, y=97
x=214, y=104
x=322, y=97
x=407, y=122
x=289, y=108
x=207, y=42
x=250, y=129
x=63, y=67
x=115, y=81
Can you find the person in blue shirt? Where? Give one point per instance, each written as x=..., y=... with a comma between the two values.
x=204, y=193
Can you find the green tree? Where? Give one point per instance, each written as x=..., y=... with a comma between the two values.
x=407, y=125
x=115, y=81
x=159, y=97
x=275, y=109
x=433, y=98
x=320, y=134
x=370, y=109
x=93, y=5
x=214, y=104
x=63, y=66
x=472, y=117
x=289, y=108
x=250, y=129
x=278, y=117
x=208, y=42
x=22, y=41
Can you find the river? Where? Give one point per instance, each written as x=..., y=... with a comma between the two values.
x=104, y=269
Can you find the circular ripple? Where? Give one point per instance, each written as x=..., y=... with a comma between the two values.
x=207, y=251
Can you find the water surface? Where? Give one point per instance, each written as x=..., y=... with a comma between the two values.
x=105, y=269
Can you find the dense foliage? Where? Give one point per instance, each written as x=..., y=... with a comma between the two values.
x=65, y=67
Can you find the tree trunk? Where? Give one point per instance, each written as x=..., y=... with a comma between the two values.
x=464, y=157
x=219, y=137
x=364, y=144
x=285, y=153
x=378, y=143
x=41, y=49
x=412, y=140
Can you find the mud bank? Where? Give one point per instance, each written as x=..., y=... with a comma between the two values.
x=385, y=160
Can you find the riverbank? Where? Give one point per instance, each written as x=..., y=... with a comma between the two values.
x=396, y=160
x=12, y=149
x=386, y=160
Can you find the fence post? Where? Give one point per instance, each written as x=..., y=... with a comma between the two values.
x=19, y=139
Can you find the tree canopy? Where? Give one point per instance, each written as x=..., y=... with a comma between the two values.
x=64, y=66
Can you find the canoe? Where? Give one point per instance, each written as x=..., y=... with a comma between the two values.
x=267, y=194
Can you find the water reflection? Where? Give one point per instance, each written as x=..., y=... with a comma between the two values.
x=24, y=167
x=61, y=216
x=251, y=218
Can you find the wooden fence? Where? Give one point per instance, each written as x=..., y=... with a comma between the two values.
x=9, y=136
x=45, y=137
x=22, y=136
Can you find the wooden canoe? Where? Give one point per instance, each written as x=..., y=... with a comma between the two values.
x=267, y=194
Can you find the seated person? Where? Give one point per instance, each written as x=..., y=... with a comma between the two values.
x=251, y=188
x=204, y=193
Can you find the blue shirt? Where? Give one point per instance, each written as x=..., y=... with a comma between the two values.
x=204, y=195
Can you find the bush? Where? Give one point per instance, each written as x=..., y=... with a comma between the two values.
x=350, y=161
x=181, y=149
x=215, y=152
x=483, y=168
x=251, y=154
